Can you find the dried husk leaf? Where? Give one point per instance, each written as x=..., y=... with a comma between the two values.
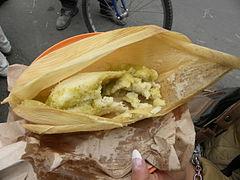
x=184, y=70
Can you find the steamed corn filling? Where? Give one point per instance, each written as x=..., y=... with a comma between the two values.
x=111, y=92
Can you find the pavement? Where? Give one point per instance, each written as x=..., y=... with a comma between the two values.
x=30, y=27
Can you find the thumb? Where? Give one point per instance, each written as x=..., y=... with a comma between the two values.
x=139, y=167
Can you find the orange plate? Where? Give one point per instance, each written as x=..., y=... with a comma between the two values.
x=66, y=42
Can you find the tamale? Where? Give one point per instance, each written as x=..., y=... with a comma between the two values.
x=183, y=69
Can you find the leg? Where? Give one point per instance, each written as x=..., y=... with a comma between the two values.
x=105, y=3
x=71, y=4
x=3, y=65
x=5, y=46
x=69, y=9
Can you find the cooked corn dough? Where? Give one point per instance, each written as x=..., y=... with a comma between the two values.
x=109, y=92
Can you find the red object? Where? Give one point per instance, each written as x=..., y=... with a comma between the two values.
x=152, y=170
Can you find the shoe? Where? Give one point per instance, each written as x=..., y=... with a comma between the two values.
x=6, y=49
x=3, y=65
x=5, y=46
x=108, y=11
x=64, y=20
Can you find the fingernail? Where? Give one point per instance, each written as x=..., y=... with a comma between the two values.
x=136, y=154
x=137, y=158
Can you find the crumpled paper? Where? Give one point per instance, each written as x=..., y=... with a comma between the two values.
x=165, y=142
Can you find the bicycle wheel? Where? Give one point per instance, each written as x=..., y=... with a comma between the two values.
x=133, y=13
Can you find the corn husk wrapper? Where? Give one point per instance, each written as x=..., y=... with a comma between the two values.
x=184, y=70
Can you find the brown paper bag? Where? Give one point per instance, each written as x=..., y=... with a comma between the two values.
x=166, y=143
x=12, y=166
